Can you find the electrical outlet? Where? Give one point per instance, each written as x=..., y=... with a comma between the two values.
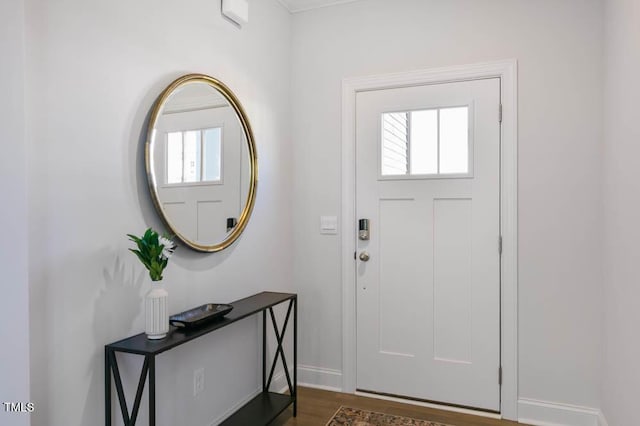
x=198, y=381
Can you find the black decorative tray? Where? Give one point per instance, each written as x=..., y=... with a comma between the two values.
x=201, y=315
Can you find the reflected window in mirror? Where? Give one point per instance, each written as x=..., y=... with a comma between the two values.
x=194, y=156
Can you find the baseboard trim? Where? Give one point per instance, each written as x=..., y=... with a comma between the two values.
x=320, y=378
x=235, y=408
x=602, y=421
x=279, y=382
x=545, y=413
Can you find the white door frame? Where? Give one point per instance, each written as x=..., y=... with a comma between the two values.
x=507, y=72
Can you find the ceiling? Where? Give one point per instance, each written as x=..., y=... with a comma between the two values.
x=302, y=5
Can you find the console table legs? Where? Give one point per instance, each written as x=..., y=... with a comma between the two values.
x=107, y=387
x=148, y=370
x=152, y=390
x=295, y=357
x=293, y=386
x=264, y=351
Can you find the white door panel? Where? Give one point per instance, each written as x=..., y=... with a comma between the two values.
x=428, y=298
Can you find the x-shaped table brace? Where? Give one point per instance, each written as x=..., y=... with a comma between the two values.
x=279, y=350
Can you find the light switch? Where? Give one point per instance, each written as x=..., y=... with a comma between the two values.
x=328, y=225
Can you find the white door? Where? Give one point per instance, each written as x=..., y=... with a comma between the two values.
x=428, y=296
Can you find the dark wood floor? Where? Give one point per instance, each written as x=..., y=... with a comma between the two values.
x=316, y=407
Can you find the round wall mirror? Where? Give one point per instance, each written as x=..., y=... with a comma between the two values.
x=201, y=162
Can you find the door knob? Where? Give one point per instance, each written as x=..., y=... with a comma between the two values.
x=364, y=256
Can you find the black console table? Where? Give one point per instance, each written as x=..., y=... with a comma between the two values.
x=261, y=410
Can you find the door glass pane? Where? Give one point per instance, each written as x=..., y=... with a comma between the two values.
x=191, y=160
x=394, y=143
x=454, y=140
x=424, y=142
x=174, y=157
x=212, y=155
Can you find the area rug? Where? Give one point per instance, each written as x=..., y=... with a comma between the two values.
x=347, y=416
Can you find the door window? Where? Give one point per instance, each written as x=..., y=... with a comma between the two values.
x=426, y=143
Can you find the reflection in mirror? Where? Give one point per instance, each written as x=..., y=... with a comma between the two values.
x=202, y=171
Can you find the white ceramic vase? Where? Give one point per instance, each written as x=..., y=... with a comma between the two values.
x=156, y=313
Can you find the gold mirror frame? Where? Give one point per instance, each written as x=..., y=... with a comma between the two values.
x=253, y=159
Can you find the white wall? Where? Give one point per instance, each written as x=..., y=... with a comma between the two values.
x=621, y=371
x=14, y=301
x=558, y=45
x=94, y=71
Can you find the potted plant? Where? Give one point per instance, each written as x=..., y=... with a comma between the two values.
x=154, y=251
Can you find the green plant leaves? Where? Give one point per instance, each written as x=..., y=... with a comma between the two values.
x=149, y=252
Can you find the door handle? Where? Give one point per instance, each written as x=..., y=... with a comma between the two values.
x=231, y=223
x=364, y=256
